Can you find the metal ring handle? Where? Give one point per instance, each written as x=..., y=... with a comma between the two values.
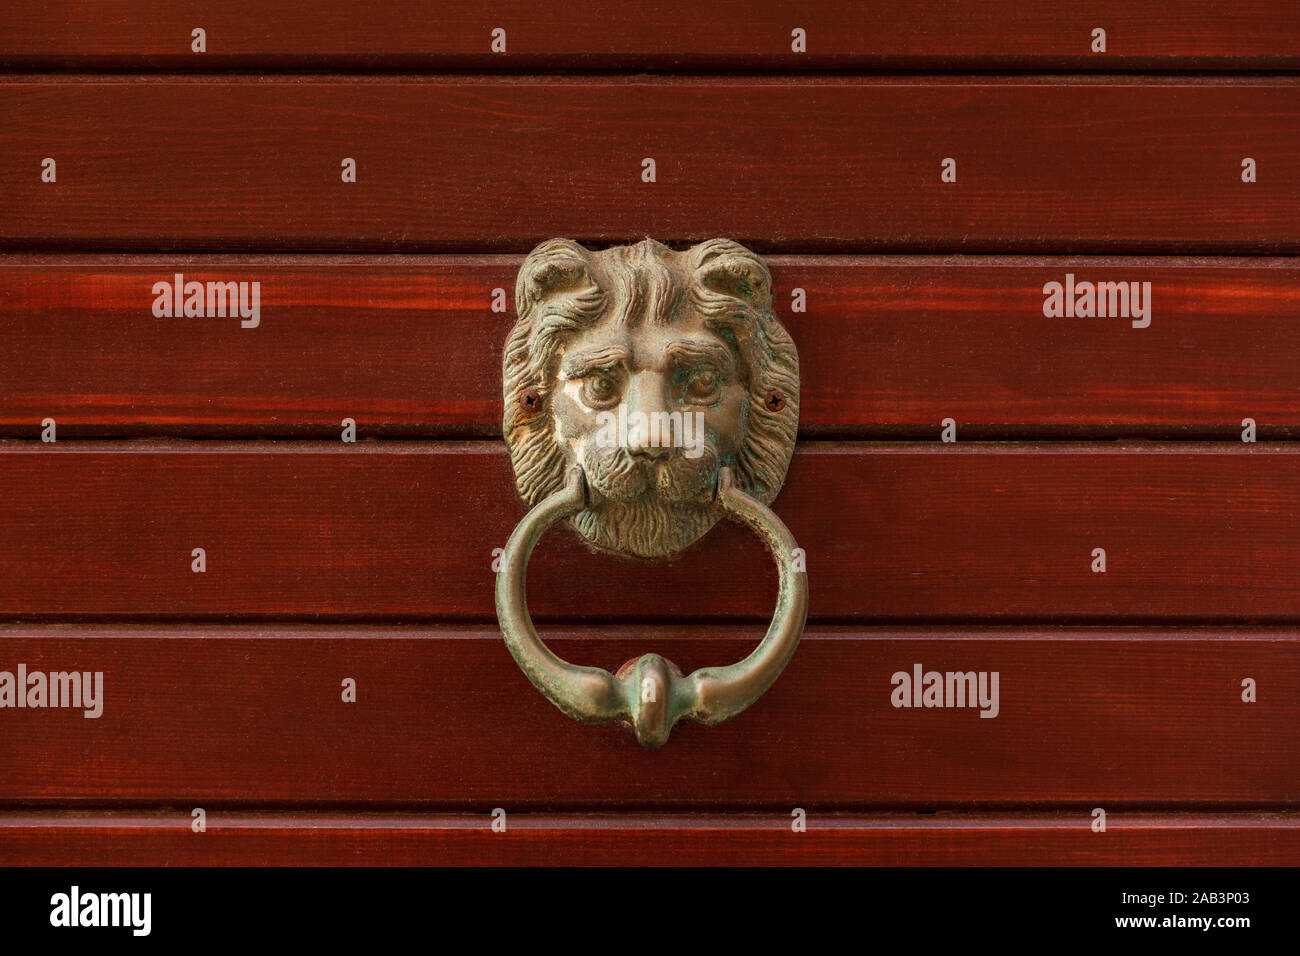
x=650, y=693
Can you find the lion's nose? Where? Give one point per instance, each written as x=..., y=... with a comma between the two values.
x=651, y=436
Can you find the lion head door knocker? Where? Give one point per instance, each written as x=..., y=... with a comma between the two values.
x=649, y=393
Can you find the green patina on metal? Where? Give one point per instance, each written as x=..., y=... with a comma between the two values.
x=649, y=394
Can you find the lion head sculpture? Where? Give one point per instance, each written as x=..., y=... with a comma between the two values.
x=650, y=369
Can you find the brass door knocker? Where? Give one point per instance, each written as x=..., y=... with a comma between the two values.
x=648, y=394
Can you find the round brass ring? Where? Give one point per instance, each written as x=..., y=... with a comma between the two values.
x=650, y=693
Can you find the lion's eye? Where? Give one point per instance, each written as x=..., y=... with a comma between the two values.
x=600, y=390
x=703, y=386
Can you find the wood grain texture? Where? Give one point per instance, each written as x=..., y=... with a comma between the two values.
x=1043, y=839
x=393, y=530
x=667, y=34
x=409, y=347
x=480, y=164
x=372, y=561
x=224, y=716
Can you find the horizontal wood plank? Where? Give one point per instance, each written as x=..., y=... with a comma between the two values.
x=395, y=530
x=409, y=347
x=225, y=716
x=153, y=839
x=474, y=164
x=667, y=34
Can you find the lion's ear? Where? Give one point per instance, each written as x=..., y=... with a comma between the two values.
x=557, y=265
x=729, y=268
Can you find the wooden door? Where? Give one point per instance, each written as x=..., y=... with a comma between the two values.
x=1043, y=288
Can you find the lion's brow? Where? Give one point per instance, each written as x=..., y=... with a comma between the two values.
x=577, y=364
x=696, y=350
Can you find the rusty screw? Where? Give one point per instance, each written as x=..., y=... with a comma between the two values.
x=774, y=400
x=529, y=400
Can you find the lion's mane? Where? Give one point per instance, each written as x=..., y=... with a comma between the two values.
x=564, y=288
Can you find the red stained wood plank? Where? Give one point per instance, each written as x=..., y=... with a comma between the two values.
x=406, y=530
x=724, y=34
x=243, y=839
x=889, y=346
x=805, y=165
x=221, y=716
